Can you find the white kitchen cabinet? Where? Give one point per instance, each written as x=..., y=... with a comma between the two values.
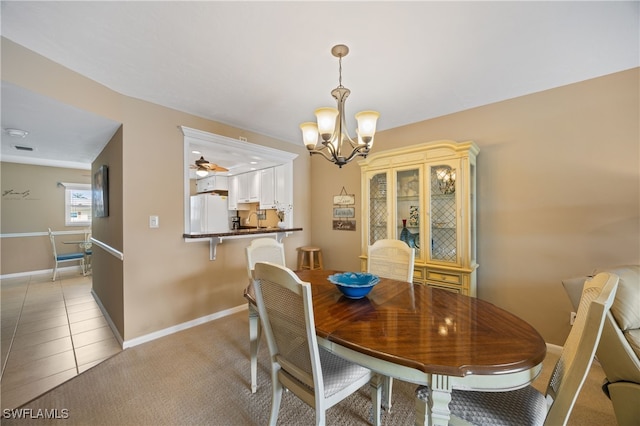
x=282, y=176
x=254, y=186
x=275, y=191
x=248, y=187
x=212, y=183
x=233, y=193
x=243, y=188
x=425, y=195
x=267, y=189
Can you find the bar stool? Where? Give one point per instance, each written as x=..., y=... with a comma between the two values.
x=310, y=257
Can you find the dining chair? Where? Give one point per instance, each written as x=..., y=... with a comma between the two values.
x=61, y=258
x=260, y=250
x=619, y=349
x=315, y=375
x=88, y=250
x=393, y=259
x=527, y=405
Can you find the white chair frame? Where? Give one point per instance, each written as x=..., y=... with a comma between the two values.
x=287, y=369
x=260, y=250
x=393, y=259
x=527, y=405
x=62, y=258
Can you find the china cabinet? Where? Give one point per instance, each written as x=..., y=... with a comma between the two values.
x=425, y=195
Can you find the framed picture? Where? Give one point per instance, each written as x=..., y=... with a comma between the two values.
x=346, y=212
x=101, y=192
x=344, y=225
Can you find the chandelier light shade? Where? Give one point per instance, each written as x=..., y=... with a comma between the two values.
x=328, y=136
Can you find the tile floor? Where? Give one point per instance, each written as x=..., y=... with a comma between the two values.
x=51, y=332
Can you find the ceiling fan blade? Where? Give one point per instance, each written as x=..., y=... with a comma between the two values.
x=215, y=168
x=203, y=164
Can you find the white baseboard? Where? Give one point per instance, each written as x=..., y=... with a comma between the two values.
x=179, y=327
x=43, y=271
x=112, y=326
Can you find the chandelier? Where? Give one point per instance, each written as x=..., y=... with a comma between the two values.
x=446, y=180
x=334, y=142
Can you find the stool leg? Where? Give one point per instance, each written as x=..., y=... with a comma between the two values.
x=320, y=263
x=312, y=262
x=300, y=259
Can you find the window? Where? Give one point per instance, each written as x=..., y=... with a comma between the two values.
x=77, y=205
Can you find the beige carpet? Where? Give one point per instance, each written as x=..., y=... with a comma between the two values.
x=201, y=377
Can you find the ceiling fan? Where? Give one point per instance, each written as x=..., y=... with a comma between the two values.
x=203, y=167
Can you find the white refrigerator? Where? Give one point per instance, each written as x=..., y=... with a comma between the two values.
x=209, y=213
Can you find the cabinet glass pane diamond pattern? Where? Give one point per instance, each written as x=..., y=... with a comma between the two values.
x=378, y=208
x=443, y=214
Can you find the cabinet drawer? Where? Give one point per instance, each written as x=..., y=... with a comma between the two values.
x=418, y=274
x=445, y=277
x=444, y=287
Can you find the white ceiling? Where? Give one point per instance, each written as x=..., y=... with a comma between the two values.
x=266, y=66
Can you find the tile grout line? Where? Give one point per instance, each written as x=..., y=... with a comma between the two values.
x=15, y=330
x=73, y=345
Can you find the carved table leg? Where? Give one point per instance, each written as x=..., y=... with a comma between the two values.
x=432, y=409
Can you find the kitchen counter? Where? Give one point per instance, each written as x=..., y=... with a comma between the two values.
x=244, y=232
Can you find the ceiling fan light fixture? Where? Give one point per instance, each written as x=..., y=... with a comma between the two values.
x=202, y=173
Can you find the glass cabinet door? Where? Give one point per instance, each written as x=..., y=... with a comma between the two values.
x=408, y=207
x=378, y=212
x=443, y=207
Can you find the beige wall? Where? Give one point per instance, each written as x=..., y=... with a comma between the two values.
x=32, y=202
x=558, y=195
x=164, y=280
x=108, y=273
x=558, y=192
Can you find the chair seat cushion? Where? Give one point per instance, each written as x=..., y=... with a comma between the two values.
x=524, y=406
x=70, y=256
x=337, y=373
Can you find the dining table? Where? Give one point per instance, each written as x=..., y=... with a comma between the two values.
x=427, y=336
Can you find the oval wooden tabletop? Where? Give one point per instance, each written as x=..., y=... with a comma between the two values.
x=429, y=329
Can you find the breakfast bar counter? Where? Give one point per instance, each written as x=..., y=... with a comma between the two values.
x=243, y=232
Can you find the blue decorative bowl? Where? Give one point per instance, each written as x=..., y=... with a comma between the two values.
x=354, y=285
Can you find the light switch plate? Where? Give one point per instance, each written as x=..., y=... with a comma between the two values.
x=154, y=222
